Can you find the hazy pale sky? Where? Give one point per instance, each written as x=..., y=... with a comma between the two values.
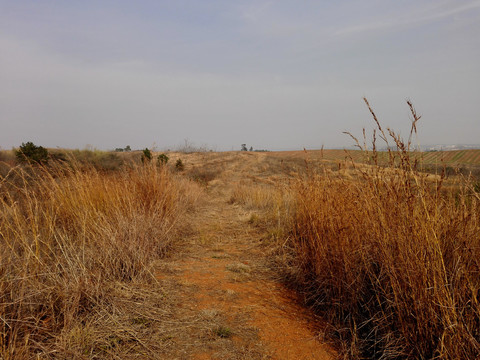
x=271, y=74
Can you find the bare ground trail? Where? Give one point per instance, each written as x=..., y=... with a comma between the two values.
x=230, y=305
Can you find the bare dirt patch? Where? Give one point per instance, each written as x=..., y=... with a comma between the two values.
x=224, y=285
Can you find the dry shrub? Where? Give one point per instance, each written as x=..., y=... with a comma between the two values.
x=391, y=259
x=67, y=235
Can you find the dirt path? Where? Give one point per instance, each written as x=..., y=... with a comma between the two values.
x=224, y=287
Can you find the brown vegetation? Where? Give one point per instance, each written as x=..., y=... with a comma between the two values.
x=391, y=259
x=71, y=241
x=386, y=253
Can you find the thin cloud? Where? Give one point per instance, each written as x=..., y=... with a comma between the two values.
x=408, y=21
x=253, y=13
x=110, y=76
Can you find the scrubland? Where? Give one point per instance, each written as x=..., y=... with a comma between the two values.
x=385, y=252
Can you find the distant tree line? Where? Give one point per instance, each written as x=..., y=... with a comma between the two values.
x=126, y=148
x=244, y=148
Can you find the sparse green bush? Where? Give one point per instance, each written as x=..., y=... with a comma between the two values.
x=223, y=332
x=31, y=153
x=146, y=156
x=126, y=149
x=179, y=165
x=162, y=159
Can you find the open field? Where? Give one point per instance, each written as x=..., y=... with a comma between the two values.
x=454, y=157
x=210, y=261
x=145, y=261
x=452, y=163
x=147, y=212
x=465, y=161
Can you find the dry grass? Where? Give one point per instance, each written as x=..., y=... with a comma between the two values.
x=389, y=255
x=390, y=258
x=69, y=240
x=7, y=161
x=255, y=196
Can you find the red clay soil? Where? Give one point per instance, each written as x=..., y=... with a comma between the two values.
x=228, y=277
x=283, y=326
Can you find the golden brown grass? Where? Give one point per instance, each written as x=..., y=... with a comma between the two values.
x=255, y=196
x=70, y=241
x=387, y=254
x=390, y=258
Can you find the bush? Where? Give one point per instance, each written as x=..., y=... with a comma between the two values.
x=31, y=153
x=146, y=156
x=162, y=159
x=179, y=165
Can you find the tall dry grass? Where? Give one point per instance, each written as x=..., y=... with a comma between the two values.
x=256, y=196
x=390, y=258
x=67, y=235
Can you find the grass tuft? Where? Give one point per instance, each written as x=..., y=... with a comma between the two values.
x=223, y=332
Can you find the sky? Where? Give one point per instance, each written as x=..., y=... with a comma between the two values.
x=276, y=75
